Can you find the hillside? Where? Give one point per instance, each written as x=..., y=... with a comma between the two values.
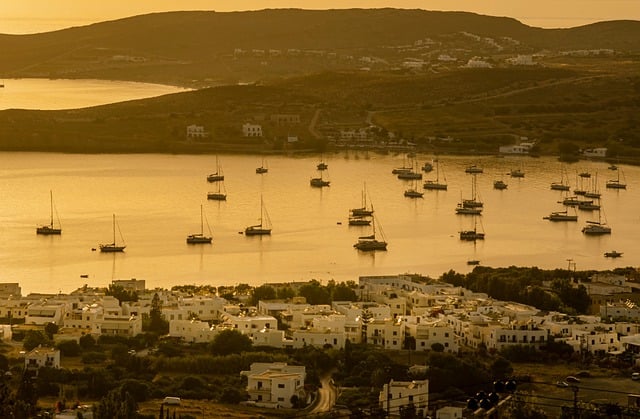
x=458, y=111
x=207, y=48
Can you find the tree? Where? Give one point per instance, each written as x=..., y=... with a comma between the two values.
x=69, y=348
x=230, y=342
x=33, y=339
x=157, y=323
x=87, y=342
x=263, y=292
x=117, y=404
x=285, y=293
x=122, y=294
x=50, y=329
x=343, y=292
x=437, y=347
x=315, y=293
x=233, y=395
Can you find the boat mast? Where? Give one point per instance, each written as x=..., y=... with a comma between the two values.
x=114, y=229
x=51, y=196
x=201, y=222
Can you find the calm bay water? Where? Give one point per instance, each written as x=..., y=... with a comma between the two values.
x=47, y=94
x=157, y=199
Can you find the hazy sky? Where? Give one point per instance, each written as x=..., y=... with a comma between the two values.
x=24, y=16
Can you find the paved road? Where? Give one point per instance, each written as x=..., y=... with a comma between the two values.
x=327, y=395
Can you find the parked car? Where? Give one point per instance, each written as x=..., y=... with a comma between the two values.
x=635, y=376
x=562, y=384
x=572, y=379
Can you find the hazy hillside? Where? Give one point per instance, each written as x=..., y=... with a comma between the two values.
x=228, y=47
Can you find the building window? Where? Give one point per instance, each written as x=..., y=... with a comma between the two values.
x=280, y=385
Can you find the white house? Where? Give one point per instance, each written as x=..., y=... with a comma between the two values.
x=195, y=331
x=318, y=338
x=117, y=325
x=196, y=131
x=42, y=357
x=249, y=324
x=399, y=394
x=269, y=337
x=388, y=333
x=43, y=313
x=274, y=384
x=428, y=331
x=251, y=130
x=599, y=152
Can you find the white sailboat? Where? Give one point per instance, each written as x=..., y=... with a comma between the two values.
x=616, y=183
x=50, y=229
x=200, y=238
x=217, y=176
x=262, y=169
x=362, y=211
x=264, y=227
x=113, y=246
x=372, y=242
x=220, y=194
x=436, y=185
x=595, y=228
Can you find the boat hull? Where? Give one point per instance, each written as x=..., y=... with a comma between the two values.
x=195, y=239
x=434, y=186
x=217, y=196
x=215, y=178
x=111, y=248
x=257, y=231
x=370, y=245
x=48, y=231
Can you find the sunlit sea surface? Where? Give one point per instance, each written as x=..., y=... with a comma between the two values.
x=157, y=198
x=47, y=94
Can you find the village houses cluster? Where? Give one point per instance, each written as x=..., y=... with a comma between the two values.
x=393, y=310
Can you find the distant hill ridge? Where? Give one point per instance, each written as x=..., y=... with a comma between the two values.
x=198, y=35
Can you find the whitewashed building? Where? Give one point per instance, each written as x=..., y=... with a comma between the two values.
x=274, y=384
x=196, y=131
x=42, y=357
x=251, y=130
x=400, y=394
x=193, y=331
x=599, y=152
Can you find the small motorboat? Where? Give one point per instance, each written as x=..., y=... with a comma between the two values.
x=612, y=254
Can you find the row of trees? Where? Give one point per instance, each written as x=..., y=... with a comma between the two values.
x=527, y=286
x=313, y=291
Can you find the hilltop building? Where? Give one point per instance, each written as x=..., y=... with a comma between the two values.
x=397, y=395
x=274, y=384
x=251, y=130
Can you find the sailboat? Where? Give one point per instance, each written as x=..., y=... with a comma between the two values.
x=463, y=209
x=363, y=211
x=472, y=235
x=200, y=238
x=594, y=192
x=474, y=202
x=322, y=165
x=615, y=183
x=219, y=195
x=264, y=227
x=49, y=229
x=561, y=216
x=371, y=242
x=413, y=191
x=319, y=182
x=562, y=185
x=262, y=169
x=436, y=185
x=113, y=246
x=217, y=176
x=597, y=227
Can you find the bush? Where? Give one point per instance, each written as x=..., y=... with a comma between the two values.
x=94, y=357
x=69, y=348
